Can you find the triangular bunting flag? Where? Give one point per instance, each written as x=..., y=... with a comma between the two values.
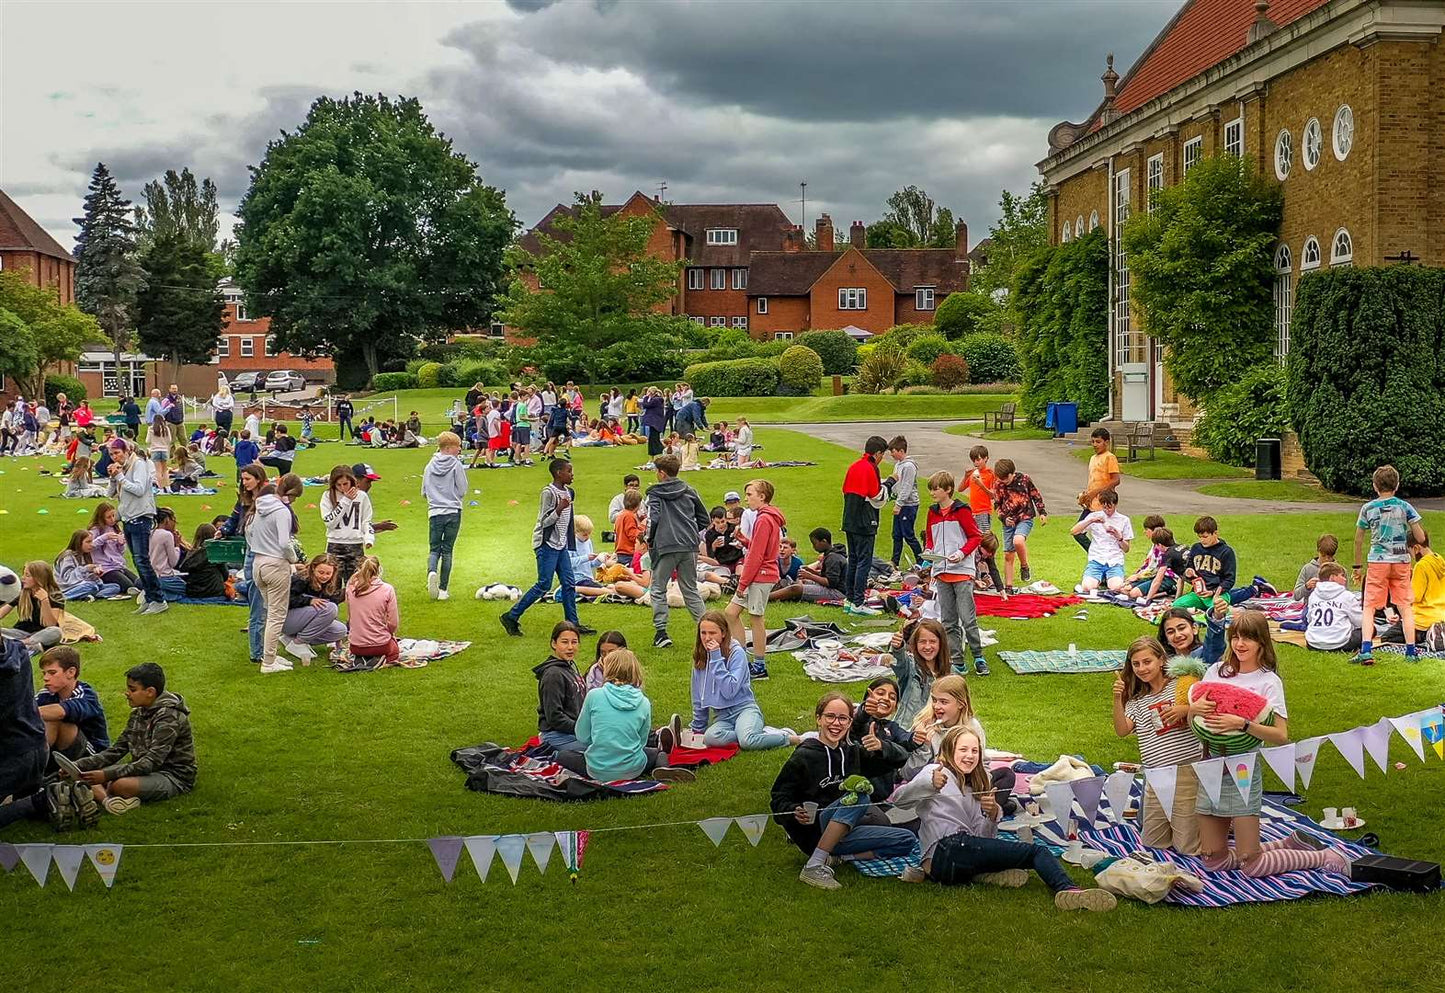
x=69, y=859
x=1211, y=776
x=1061, y=804
x=1162, y=780
x=1376, y=737
x=1306, y=754
x=511, y=848
x=1432, y=727
x=481, y=848
x=446, y=851
x=106, y=859
x=540, y=845
x=1351, y=745
x=10, y=858
x=1241, y=770
x=1117, y=788
x=36, y=859
x=1087, y=793
x=572, y=845
x=1408, y=728
x=715, y=828
x=1281, y=760
x=752, y=827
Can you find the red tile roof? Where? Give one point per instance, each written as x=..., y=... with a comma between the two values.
x=760, y=227
x=783, y=274
x=18, y=231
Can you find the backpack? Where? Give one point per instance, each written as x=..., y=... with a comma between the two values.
x=70, y=805
x=174, y=413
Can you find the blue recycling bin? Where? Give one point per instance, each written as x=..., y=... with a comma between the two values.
x=1049, y=412
x=1063, y=418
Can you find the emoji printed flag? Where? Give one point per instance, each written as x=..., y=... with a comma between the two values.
x=106, y=859
x=1408, y=727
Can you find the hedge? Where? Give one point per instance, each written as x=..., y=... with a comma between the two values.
x=950, y=371
x=387, y=381
x=429, y=376
x=734, y=378
x=1366, y=376
x=926, y=348
x=1061, y=294
x=73, y=389
x=800, y=370
x=837, y=349
x=1241, y=413
x=991, y=357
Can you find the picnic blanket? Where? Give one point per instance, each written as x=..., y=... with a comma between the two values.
x=1061, y=660
x=212, y=601
x=799, y=633
x=415, y=654
x=1021, y=606
x=788, y=464
x=1281, y=607
x=531, y=771
x=844, y=667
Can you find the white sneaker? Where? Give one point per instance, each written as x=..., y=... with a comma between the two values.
x=820, y=876
x=443, y=595
x=433, y=584
x=280, y=665
x=159, y=607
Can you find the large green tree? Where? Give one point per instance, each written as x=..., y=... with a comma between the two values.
x=177, y=205
x=1202, y=271
x=108, y=273
x=180, y=310
x=913, y=220
x=37, y=332
x=1020, y=231
x=364, y=232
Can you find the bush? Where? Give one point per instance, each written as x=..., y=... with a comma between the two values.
x=880, y=372
x=837, y=349
x=900, y=336
x=464, y=373
x=1061, y=294
x=991, y=357
x=864, y=351
x=959, y=315
x=927, y=347
x=914, y=374
x=413, y=366
x=800, y=370
x=385, y=382
x=949, y=371
x=1366, y=386
x=1241, y=413
x=428, y=377
x=734, y=378
x=73, y=389
x=913, y=391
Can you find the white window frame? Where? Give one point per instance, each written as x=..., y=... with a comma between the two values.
x=1347, y=256
x=241, y=314
x=924, y=297
x=741, y=322
x=1079, y=226
x=782, y=335
x=1193, y=152
x=1068, y=234
x=1309, y=256
x=718, y=322
x=268, y=348
x=497, y=330
x=1093, y=220
x=1234, y=137
x=762, y=305
x=1283, y=154
x=1344, y=124
x=248, y=347
x=718, y=279
x=722, y=236
x=696, y=278
x=1123, y=325
x=1283, y=301
x=223, y=347
x=1312, y=137
x=1155, y=180
x=699, y=321
x=740, y=279
x=852, y=298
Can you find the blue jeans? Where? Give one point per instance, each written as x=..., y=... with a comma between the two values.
x=138, y=540
x=173, y=587
x=905, y=523
x=742, y=725
x=960, y=857
x=256, y=609
x=442, y=536
x=561, y=741
x=101, y=591
x=860, y=561
x=550, y=562
x=884, y=842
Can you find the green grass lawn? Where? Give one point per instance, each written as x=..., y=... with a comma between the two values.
x=315, y=755
x=1006, y=434
x=1171, y=465
x=1290, y=490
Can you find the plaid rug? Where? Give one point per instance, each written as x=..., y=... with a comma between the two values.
x=1060, y=660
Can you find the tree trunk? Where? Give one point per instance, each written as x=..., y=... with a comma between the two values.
x=368, y=352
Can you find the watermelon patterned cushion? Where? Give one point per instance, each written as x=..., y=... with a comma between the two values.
x=1229, y=699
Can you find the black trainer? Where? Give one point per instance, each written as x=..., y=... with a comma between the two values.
x=584, y=629
x=510, y=625
x=661, y=640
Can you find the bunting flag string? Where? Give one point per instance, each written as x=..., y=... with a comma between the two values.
x=1117, y=788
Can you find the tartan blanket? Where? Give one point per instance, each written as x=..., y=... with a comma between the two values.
x=531, y=771
x=1059, y=660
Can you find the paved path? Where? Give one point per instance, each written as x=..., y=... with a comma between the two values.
x=1056, y=471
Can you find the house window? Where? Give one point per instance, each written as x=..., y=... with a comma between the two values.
x=719, y=322
x=1193, y=152
x=852, y=298
x=1313, y=143
x=1310, y=257
x=1123, y=334
x=241, y=310
x=1079, y=226
x=1093, y=220
x=762, y=305
x=1283, y=155
x=1283, y=301
x=740, y=279
x=1067, y=236
x=248, y=348
x=1342, y=252
x=699, y=321
x=223, y=347
x=1234, y=137
x=722, y=236
x=695, y=279
x=782, y=336
x=741, y=322
x=923, y=298
x=497, y=330
x=1343, y=131
x=1156, y=180
x=270, y=345
x=719, y=279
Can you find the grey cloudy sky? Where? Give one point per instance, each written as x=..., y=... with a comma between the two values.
x=725, y=100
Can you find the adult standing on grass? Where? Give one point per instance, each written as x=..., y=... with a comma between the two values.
x=675, y=518
x=223, y=406
x=553, y=540
x=863, y=494
x=344, y=412
x=1103, y=475
x=654, y=419
x=132, y=481
x=130, y=410
x=268, y=526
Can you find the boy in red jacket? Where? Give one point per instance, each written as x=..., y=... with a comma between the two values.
x=758, y=573
x=954, y=540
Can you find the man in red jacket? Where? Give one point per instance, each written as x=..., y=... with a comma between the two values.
x=758, y=573
x=863, y=494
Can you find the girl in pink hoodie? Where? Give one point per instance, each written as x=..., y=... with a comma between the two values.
x=758, y=574
x=372, y=617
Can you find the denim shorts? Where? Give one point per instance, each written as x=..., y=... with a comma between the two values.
x=1020, y=530
x=1103, y=573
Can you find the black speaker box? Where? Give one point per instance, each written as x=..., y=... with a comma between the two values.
x=1398, y=874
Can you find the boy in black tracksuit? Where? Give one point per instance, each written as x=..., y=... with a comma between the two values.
x=863, y=495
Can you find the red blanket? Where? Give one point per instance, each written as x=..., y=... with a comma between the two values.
x=1022, y=605
x=701, y=756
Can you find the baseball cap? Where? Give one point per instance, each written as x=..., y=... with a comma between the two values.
x=363, y=471
x=9, y=586
x=731, y=496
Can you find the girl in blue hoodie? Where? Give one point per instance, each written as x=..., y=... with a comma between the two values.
x=613, y=726
x=722, y=684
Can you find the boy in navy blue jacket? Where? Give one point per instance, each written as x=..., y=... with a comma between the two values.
x=74, y=719
x=246, y=452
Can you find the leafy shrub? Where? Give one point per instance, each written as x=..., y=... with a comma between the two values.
x=881, y=371
x=922, y=391
x=413, y=366
x=927, y=347
x=385, y=382
x=1241, y=413
x=734, y=378
x=837, y=349
x=900, y=336
x=864, y=351
x=914, y=374
x=960, y=314
x=463, y=373
x=73, y=389
x=428, y=377
x=1061, y=294
x=800, y=370
x=949, y=371
x=991, y=357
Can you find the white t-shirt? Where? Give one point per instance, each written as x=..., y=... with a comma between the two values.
x=747, y=521
x=1103, y=547
x=1267, y=684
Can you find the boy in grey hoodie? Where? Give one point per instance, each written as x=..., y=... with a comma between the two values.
x=676, y=519
x=443, y=485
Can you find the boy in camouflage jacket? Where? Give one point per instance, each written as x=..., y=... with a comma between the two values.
x=158, y=740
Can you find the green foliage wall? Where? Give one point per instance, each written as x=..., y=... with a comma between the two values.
x=1061, y=295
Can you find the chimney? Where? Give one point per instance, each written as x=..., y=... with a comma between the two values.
x=857, y=235
x=1107, y=114
x=1262, y=24
x=823, y=233
x=793, y=239
x=960, y=232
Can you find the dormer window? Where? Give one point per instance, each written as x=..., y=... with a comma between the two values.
x=722, y=236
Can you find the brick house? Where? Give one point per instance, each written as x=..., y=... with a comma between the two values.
x=1340, y=100
x=27, y=247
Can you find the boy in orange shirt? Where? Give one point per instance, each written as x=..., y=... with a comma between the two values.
x=981, y=480
x=628, y=524
x=1103, y=475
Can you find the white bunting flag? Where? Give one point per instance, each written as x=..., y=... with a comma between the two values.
x=1306, y=754
x=1408, y=727
x=1281, y=760
x=1211, y=776
x=1376, y=738
x=1162, y=780
x=1117, y=788
x=540, y=845
x=1086, y=794
x=1241, y=770
x=481, y=848
x=1061, y=804
x=511, y=848
x=69, y=859
x=36, y=859
x=106, y=859
x=1351, y=745
x=715, y=828
x=752, y=827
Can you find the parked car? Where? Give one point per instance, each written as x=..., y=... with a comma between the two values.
x=284, y=380
x=247, y=382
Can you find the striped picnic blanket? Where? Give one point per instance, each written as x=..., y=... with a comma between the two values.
x=1061, y=660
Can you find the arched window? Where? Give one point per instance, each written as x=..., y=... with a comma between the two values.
x=1067, y=231
x=1093, y=219
x=1313, y=143
x=1283, y=301
x=1283, y=155
x=1079, y=226
x=1343, y=131
x=1342, y=252
x=1310, y=257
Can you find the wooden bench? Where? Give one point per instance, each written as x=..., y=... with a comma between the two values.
x=1138, y=438
x=994, y=420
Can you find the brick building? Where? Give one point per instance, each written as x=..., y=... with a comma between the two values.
x=1343, y=101
x=27, y=247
